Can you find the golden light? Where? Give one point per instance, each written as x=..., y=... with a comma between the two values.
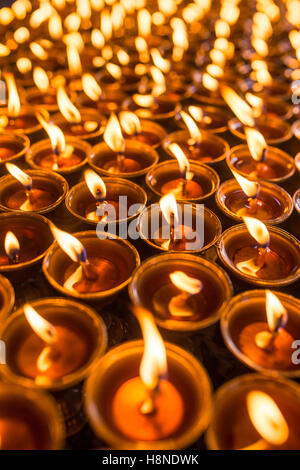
x=114, y=70
x=4, y=50
x=168, y=207
x=142, y=48
x=107, y=52
x=267, y=418
x=222, y=29
x=17, y=173
x=146, y=101
x=240, y=108
x=294, y=37
x=40, y=15
x=159, y=81
x=66, y=107
x=6, y=16
x=230, y=13
x=24, y=64
x=276, y=312
x=260, y=46
x=154, y=361
x=196, y=112
x=113, y=135
x=97, y=5
x=74, y=62
x=38, y=51
x=106, y=24
x=19, y=9
x=83, y=9
x=40, y=79
x=256, y=143
x=263, y=77
x=72, y=22
x=130, y=122
x=91, y=87
x=123, y=57
x=95, y=184
x=217, y=57
x=21, y=35
x=69, y=244
x=161, y=63
x=167, y=7
x=44, y=329
x=11, y=246
x=13, y=105
x=209, y=82
x=257, y=230
x=193, y=129
x=55, y=27
x=184, y=164
x=256, y=102
x=250, y=188
x=186, y=283
x=215, y=71
x=97, y=39
x=55, y=134
x=144, y=22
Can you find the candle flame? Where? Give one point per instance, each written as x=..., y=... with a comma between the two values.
x=4, y=50
x=209, y=82
x=250, y=188
x=154, y=361
x=130, y=122
x=114, y=70
x=256, y=102
x=66, y=107
x=14, y=105
x=159, y=81
x=91, y=87
x=55, y=27
x=106, y=24
x=97, y=39
x=144, y=22
x=263, y=77
x=11, y=245
x=44, y=329
x=55, y=134
x=240, y=108
x=123, y=57
x=256, y=143
x=222, y=29
x=40, y=78
x=95, y=184
x=17, y=173
x=186, y=283
x=192, y=127
x=257, y=230
x=74, y=61
x=215, y=70
x=69, y=244
x=168, y=206
x=38, y=51
x=196, y=112
x=184, y=164
x=161, y=63
x=267, y=418
x=276, y=312
x=24, y=65
x=113, y=134
x=146, y=101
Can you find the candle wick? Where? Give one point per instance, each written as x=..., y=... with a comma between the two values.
x=148, y=405
x=14, y=256
x=120, y=161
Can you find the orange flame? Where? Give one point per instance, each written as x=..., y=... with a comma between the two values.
x=267, y=418
x=250, y=188
x=91, y=87
x=44, y=329
x=66, y=107
x=146, y=101
x=184, y=164
x=123, y=57
x=38, y=51
x=215, y=70
x=209, y=82
x=154, y=361
x=256, y=143
x=263, y=77
x=40, y=78
x=168, y=206
x=74, y=61
x=69, y=244
x=161, y=63
x=95, y=184
x=257, y=230
x=55, y=134
x=114, y=70
x=14, y=105
x=275, y=310
x=113, y=135
x=55, y=27
x=256, y=102
x=24, y=64
x=186, y=283
x=144, y=22
x=97, y=39
x=192, y=126
x=15, y=171
x=240, y=108
x=11, y=244
x=196, y=112
x=130, y=122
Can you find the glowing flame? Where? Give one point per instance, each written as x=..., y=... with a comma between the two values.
x=38, y=51
x=192, y=126
x=130, y=122
x=24, y=65
x=114, y=70
x=186, y=283
x=14, y=105
x=123, y=57
x=40, y=78
x=184, y=164
x=275, y=311
x=72, y=22
x=256, y=143
x=250, y=188
x=159, y=81
x=55, y=27
x=21, y=35
x=209, y=82
x=257, y=230
x=74, y=61
x=222, y=29
x=106, y=24
x=15, y=171
x=154, y=361
x=263, y=77
x=95, y=184
x=67, y=108
x=217, y=57
x=168, y=207
x=215, y=71
x=90, y=87
x=55, y=134
x=146, y=101
x=4, y=50
x=113, y=135
x=40, y=326
x=161, y=63
x=144, y=22
x=240, y=108
x=97, y=39
x=256, y=102
x=260, y=46
x=69, y=244
x=11, y=245
x=267, y=418
x=196, y=112
x=142, y=48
